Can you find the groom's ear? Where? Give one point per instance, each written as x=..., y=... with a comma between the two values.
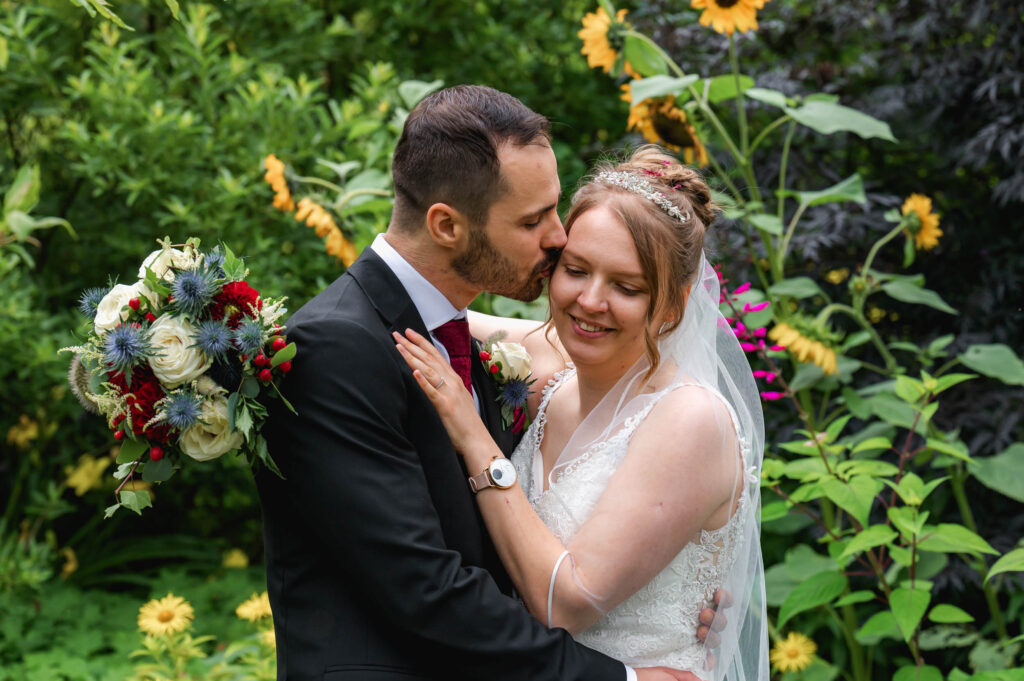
x=447, y=226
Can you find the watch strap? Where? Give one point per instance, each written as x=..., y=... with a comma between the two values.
x=481, y=480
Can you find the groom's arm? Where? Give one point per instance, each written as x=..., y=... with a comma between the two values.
x=358, y=479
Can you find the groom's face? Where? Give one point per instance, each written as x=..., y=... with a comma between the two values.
x=515, y=251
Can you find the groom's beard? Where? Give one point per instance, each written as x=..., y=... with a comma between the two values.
x=487, y=269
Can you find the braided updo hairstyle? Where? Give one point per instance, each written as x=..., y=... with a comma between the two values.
x=670, y=250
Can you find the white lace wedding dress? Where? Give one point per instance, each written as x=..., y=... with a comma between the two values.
x=656, y=625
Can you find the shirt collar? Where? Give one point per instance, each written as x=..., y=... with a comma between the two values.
x=434, y=308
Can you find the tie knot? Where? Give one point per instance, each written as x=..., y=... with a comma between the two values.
x=454, y=336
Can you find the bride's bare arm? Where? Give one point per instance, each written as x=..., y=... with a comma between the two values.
x=673, y=482
x=483, y=325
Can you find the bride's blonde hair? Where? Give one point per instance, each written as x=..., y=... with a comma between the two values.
x=669, y=248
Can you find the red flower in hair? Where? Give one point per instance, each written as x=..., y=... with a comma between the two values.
x=141, y=397
x=233, y=301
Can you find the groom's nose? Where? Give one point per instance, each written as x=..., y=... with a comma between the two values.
x=554, y=234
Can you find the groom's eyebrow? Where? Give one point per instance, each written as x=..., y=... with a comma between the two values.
x=545, y=209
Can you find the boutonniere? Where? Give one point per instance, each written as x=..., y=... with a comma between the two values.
x=509, y=367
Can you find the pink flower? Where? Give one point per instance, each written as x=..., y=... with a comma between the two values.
x=761, y=333
x=768, y=376
x=771, y=395
x=741, y=327
x=747, y=307
x=742, y=288
x=748, y=347
x=777, y=348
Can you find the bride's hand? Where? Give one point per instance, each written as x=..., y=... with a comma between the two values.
x=444, y=388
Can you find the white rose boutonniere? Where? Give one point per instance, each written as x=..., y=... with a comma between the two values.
x=509, y=366
x=176, y=361
x=211, y=436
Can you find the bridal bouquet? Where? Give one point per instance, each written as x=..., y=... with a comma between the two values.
x=176, y=361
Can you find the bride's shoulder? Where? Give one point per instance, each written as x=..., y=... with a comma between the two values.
x=688, y=412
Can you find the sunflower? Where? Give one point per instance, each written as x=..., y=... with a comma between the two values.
x=167, y=615
x=255, y=608
x=86, y=475
x=794, y=653
x=926, y=227
x=275, y=178
x=726, y=16
x=804, y=347
x=837, y=276
x=235, y=558
x=602, y=38
x=659, y=120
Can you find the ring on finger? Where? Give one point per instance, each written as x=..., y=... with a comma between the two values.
x=438, y=386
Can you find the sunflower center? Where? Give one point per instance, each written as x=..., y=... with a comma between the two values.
x=165, y=616
x=793, y=653
x=726, y=4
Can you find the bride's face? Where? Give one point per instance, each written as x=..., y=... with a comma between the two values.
x=598, y=293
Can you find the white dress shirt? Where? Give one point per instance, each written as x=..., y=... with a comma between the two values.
x=434, y=308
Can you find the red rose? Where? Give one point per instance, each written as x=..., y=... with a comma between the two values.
x=233, y=301
x=141, y=397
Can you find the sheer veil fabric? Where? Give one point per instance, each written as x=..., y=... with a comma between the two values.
x=702, y=367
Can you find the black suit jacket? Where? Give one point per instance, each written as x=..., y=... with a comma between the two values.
x=379, y=566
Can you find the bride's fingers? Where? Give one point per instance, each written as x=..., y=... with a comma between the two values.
x=429, y=355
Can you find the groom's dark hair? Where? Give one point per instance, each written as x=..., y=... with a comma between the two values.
x=448, y=151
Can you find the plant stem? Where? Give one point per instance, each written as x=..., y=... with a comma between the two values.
x=782, y=169
x=848, y=625
x=340, y=203
x=741, y=113
x=826, y=312
x=321, y=182
x=767, y=131
x=878, y=244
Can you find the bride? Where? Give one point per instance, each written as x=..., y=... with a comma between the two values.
x=637, y=494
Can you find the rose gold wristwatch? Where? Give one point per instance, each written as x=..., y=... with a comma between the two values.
x=499, y=473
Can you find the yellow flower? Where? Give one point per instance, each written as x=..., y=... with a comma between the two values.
x=837, y=276
x=86, y=475
x=602, y=38
x=927, y=235
x=235, y=558
x=794, y=653
x=340, y=247
x=876, y=314
x=726, y=16
x=255, y=608
x=23, y=432
x=321, y=221
x=268, y=639
x=70, y=562
x=661, y=121
x=803, y=348
x=275, y=178
x=167, y=615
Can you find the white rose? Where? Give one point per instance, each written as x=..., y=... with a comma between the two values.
x=163, y=260
x=212, y=436
x=207, y=386
x=110, y=312
x=515, y=360
x=177, y=362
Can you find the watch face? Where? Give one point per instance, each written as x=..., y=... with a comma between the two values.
x=503, y=473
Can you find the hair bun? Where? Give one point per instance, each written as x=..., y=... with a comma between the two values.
x=684, y=185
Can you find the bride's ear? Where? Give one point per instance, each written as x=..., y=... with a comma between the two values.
x=447, y=226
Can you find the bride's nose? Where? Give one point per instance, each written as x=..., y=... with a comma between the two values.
x=592, y=298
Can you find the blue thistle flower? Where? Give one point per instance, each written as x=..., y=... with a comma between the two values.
x=249, y=337
x=181, y=409
x=90, y=300
x=126, y=346
x=213, y=263
x=193, y=290
x=514, y=393
x=213, y=338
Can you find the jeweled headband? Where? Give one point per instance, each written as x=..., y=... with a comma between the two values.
x=634, y=183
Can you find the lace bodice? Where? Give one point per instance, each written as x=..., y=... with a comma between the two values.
x=656, y=625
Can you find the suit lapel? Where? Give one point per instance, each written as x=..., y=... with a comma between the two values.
x=386, y=293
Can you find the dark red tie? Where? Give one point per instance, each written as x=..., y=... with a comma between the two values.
x=454, y=336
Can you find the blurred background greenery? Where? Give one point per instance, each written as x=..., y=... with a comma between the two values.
x=160, y=125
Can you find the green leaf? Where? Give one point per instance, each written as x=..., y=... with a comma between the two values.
x=1011, y=562
x=872, y=444
x=1002, y=472
x=950, y=538
x=4, y=54
x=766, y=96
x=659, y=86
x=23, y=194
x=908, y=607
x=908, y=389
x=232, y=406
x=995, y=360
x=806, y=375
x=856, y=597
x=909, y=521
x=828, y=117
x=110, y=510
x=285, y=354
x=243, y=420
x=911, y=673
x=770, y=224
x=136, y=500
x=948, y=614
x=957, y=450
x=158, y=471
x=802, y=562
x=722, y=88
x=174, y=7
x=774, y=510
x=412, y=91
x=880, y=625
x=250, y=387
x=818, y=670
x=869, y=467
x=854, y=496
x=906, y=292
x=876, y=535
x=131, y=450
x=234, y=269
x=850, y=189
x=949, y=380
x=836, y=427
x=856, y=404
x=820, y=589
x=644, y=57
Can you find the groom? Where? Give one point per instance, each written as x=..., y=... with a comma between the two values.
x=379, y=566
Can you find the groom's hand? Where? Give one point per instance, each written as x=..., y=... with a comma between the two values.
x=713, y=620
x=664, y=674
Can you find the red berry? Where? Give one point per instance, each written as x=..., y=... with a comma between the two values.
x=150, y=317
x=285, y=367
x=484, y=355
x=119, y=435
x=170, y=297
x=495, y=368
x=277, y=329
x=118, y=419
x=244, y=358
x=278, y=344
x=156, y=453
x=260, y=360
x=134, y=303
x=265, y=376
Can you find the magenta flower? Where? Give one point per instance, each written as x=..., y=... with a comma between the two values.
x=771, y=395
x=742, y=288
